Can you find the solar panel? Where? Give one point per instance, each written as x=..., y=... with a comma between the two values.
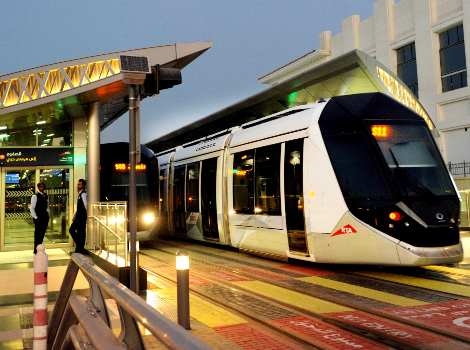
x=134, y=64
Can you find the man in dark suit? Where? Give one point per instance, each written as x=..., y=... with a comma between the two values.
x=40, y=212
x=78, y=228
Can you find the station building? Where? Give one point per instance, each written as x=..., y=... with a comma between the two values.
x=50, y=122
x=423, y=43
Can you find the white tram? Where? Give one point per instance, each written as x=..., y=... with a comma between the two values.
x=357, y=179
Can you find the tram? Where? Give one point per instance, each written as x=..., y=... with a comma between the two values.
x=114, y=186
x=357, y=179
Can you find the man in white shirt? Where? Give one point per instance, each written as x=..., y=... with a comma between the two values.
x=40, y=212
x=78, y=228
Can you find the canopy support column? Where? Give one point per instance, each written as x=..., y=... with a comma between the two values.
x=93, y=166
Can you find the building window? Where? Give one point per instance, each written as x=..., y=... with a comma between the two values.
x=406, y=67
x=453, y=62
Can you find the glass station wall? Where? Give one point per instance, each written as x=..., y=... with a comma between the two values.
x=19, y=186
x=24, y=162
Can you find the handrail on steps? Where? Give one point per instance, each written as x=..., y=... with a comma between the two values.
x=76, y=321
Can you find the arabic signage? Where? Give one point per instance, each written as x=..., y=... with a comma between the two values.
x=36, y=156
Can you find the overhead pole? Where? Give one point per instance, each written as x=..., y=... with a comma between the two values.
x=132, y=189
x=137, y=72
x=134, y=70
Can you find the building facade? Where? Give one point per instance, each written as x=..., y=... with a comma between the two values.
x=423, y=42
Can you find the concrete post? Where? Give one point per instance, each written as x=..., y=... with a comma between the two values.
x=93, y=166
x=350, y=33
x=383, y=10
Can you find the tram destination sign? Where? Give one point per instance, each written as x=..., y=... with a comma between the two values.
x=36, y=156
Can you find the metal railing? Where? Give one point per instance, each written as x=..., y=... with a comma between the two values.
x=80, y=322
x=459, y=168
x=111, y=220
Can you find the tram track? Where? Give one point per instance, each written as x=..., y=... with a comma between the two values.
x=346, y=327
x=359, y=330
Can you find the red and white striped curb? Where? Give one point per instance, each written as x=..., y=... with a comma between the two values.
x=40, y=299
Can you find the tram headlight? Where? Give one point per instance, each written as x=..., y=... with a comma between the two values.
x=148, y=218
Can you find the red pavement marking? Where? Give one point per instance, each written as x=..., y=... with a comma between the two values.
x=265, y=274
x=231, y=277
x=324, y=334
x=450, y=316
x=249, y=336
x=307, y=271
x=392, y=329
x=194, y=280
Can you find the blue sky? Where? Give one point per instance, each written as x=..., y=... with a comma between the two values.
x=251, y=39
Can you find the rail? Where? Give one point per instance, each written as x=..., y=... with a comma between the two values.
x=111, y=213
x=459, y=168
x=77, y=321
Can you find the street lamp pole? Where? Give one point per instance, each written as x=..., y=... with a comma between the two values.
x=132, y=188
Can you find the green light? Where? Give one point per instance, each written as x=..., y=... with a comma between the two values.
x=60, y=104
x=291, y=97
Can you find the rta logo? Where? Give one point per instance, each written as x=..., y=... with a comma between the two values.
x=346, y=229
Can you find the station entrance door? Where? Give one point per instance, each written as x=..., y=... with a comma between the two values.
x=17, y=186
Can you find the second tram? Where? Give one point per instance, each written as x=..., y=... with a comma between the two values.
x=114, y=184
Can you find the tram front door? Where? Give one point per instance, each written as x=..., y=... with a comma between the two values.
x=295, y=222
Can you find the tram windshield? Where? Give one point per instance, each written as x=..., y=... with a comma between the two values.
x=413, y=159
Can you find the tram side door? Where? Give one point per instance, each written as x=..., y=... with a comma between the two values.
x=178, y=200
x=294, y=201
x=208, y=199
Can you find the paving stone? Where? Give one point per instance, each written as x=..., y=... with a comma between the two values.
x=245, y=302
x=248, y=336
x=392, y=288
x=312, y=289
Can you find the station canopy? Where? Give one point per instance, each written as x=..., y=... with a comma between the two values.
x=61, y=91
x=352, y=73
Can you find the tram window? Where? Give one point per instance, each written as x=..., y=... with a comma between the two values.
x=243, y=198
x=162, y=193
x=192, y=187
x=267, y=178
x=356, y=169
x=414, y=161
x=178, y=188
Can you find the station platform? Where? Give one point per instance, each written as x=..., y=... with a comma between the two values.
x=216, y=326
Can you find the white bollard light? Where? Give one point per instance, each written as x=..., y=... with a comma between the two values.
x=40, y=299
x=182, y=288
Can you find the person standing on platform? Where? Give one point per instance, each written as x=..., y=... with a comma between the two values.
x=41, y=213
x=78, y=228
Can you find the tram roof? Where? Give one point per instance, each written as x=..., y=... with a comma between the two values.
x=352, y=73
x=61, y=91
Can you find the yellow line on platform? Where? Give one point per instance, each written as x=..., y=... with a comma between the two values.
x=363, y=292
x=290, y=297
x=448, y=269
x=202, y=310
x=421, y=282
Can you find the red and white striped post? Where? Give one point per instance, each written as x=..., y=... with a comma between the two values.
x=40, y=299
